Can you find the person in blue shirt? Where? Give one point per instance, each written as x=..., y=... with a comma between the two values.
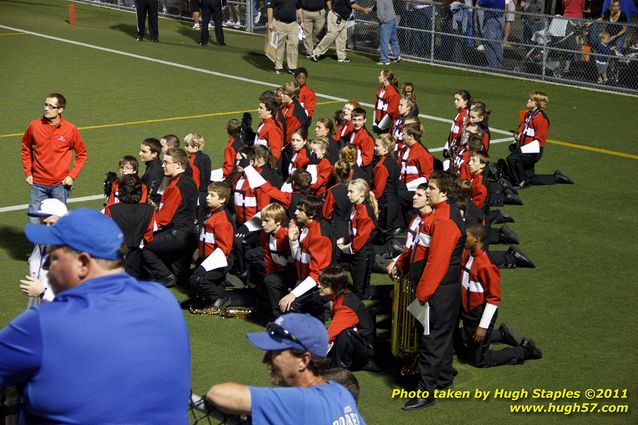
x=493, y=24
x=108, y=349
x=296, y=346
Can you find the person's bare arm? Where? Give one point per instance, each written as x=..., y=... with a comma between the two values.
x=230, y=397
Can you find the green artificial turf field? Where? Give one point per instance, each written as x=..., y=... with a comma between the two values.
x=577, y=305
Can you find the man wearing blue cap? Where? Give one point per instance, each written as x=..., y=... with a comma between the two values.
x=296, y=346
x=108, y=348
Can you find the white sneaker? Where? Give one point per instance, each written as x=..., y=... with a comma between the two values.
x=236, y=24
x=210, y=27
x=164, y=10
x=227, y=23
x=197, y=27
x=480, y=48
x=257, y=17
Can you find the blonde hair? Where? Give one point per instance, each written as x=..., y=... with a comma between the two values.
x=362, y=185
x=540, y=98
x=387, y=141
x=274, y=211
x=322, y=142
x=194, y=139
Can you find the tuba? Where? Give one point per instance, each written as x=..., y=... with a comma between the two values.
x=404, y=341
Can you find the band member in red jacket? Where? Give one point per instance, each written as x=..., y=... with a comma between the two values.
x=128, y=165
x=387, y=102
x=528, y=146
x=319, y=167
x=480, y=298
x=439, y=285
x=307, y=97
x=351, y=331
x=462, y=103
x=361, y=138
x=416, y=162
x=215, y=244
x=357, y=250
x=235, y=142
x=269, y=133
x=385, y=184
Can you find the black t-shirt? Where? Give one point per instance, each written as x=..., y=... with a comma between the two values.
x=342, y=8
x=284, y=10
x=614, y=28
x=313, y=5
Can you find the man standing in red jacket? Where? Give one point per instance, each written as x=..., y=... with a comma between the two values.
x=47, y=153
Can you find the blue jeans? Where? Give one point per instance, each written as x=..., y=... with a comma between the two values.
x=419, y=41
x=388, y=33
x=493, y=34
x=41, y=192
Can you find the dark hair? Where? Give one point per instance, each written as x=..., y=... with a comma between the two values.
x=266, y=94
x=233, y=127
x=327, y=122
x=222, y=189
x=129, y=160
x=265, y=153
x=60, y=98
x=291, y=89
x=317, y=365
x=389, y=75
x=483, y=156
x=482, y=110
x=300, y=181
x=466, y=96
x=271, y=104
x=248, y=152
x=303, y=132
x=339, y=117
x=311, y=205
x=478, y=230
x=335, y=278
x=301, y=70
x=129, y=189
x=475, y=143
x=447, y=183
x=414, y=130
x=172, y=141
x=153, y=144
x=358, y=111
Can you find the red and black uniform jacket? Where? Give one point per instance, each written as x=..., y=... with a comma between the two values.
x=230, y=155
x=277, y=255
x=246, y=201
x=296, y=117
x=385, y=183
x=479, y=191
x=364, y=142
x=195, y=173
x=533, y=127
x=288, y=200
x=152, y=178
x=349, y=312
x=136, y=222
x=218, y=232
x=324, y=173
x=299, y=160
x=387, y=103
x=363, y=226
x=178, y=203
x=415, y=161
x=480, y=281
x=308, y=99
x=315, y=250
x=443, y=264
x=458, y=127
x=271, y=135
x=417, y=245
x=336, y=209
x=202, y=161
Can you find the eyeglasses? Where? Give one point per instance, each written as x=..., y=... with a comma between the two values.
x=49, y=106
x=281, y=333
x=169, y=163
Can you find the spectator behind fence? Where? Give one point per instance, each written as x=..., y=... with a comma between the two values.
x=493, y=23
x=296, y=346
x=108, y=348
x=47, y=150
x=387, y=32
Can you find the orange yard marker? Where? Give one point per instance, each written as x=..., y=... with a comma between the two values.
x=72, y=13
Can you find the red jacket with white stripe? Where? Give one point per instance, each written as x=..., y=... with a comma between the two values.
x=534, y=127
x=479, y=190
x=246, y=201
x=217, y=232
x=314, y=253
x=276, y=247
x=417, y=243
x=270, y=134
x=458, y=126
x=480, y=281
x=308, y=99
x=324, y=172
x=415, y=161
x=113, y=197
x=364, y=143
x=387, y=103
x=362, y=224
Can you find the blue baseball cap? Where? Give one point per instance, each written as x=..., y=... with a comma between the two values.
x=84, y=230
x=295, y=331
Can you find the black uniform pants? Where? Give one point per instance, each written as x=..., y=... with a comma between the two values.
x=360, y=266
x=142, y=9
x=350, y=350
x=521, y=165
x=170, y=253
x=479, y=354
x=436, y=349
x=277, y=285
x=212, y=8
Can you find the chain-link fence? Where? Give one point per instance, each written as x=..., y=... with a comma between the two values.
x=588, y=53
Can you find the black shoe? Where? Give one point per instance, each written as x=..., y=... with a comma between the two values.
x=502, y=217
x=449, y=386
x=203, y=44
x=507, y=185
x=520, y=258
x=509, y=335
x=418, y=403
x=532, y=352
x=140, y=38
x=510, y=198
x=371, y=366
x=279, y=71
x=562, y=178
x=507, y=235
x=155, y=40
x=222, y=44
x=291, y=71
x=314, y=58
x=169, y=281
